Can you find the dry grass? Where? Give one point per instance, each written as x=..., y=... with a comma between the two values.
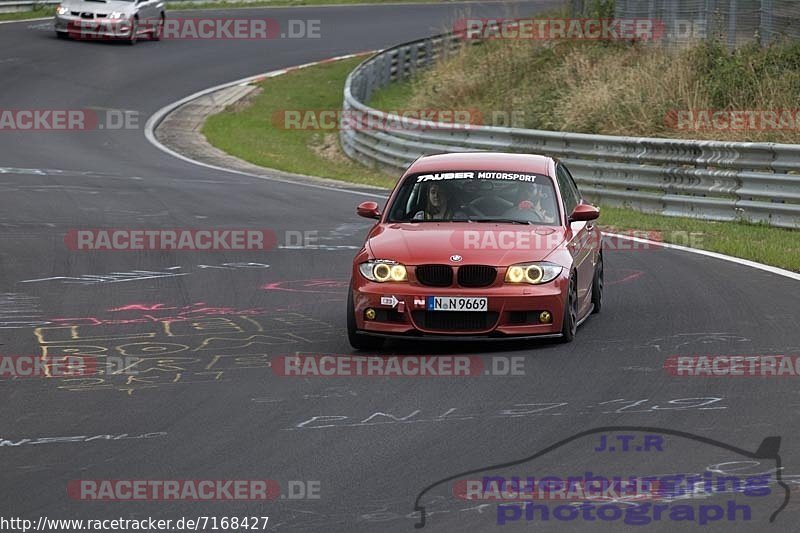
x=617, y=88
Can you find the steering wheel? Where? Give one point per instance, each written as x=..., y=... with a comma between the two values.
x=500, y=203
x=473, y=209
x=523, y=214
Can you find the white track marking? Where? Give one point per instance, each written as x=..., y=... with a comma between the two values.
x=715, y=255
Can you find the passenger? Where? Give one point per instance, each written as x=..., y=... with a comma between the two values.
x=437, y=205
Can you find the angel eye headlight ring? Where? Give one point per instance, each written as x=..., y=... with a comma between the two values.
x=532, y=273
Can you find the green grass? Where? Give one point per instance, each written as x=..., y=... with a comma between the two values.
x=393, y=97
x=47, y=11
x=250, y=134
x=757, y=242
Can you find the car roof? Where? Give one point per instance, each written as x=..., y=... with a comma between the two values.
x=535, y=164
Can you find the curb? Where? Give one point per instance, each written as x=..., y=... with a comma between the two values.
x=253, y=171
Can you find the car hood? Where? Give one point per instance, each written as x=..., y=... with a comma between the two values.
x=477, y=243
x=100, y=7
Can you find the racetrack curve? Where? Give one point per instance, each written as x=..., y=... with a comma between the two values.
x=207, y=411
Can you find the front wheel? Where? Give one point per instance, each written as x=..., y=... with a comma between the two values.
x=570, y=324
x=357, y=340
x=62, y=34
x=597, y=285
x=158, y=31
x=134, y=32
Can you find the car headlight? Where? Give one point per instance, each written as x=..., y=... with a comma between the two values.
x=533, y=273
x=117, y=15
x=62, y=10
x=383, y=270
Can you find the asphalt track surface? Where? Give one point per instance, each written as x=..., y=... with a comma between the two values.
x=208, y=408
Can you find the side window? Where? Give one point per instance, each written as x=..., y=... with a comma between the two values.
x=572, y=182
x=568, y=192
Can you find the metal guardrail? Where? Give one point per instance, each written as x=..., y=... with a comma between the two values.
x=757, y=182
x=25, y=5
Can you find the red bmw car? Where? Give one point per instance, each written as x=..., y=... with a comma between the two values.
x=477, y=245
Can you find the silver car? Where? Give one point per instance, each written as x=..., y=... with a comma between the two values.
x=110, y=19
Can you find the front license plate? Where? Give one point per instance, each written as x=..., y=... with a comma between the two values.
x=455, y=303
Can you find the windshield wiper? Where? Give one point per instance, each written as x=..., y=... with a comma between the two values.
x=496, y=220
x=504, y=221
x=412, y=221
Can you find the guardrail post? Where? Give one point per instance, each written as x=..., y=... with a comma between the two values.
x=765, y=27
x=428, y=51
x=412, y=61
x=732, y=14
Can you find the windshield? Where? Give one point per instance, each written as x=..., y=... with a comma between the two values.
x=476, y=196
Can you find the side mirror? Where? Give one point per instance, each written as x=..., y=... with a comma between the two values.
x=584, y=213
x=368, y=210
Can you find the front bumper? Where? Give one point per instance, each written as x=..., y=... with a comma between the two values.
x=513, y=310
x=78, y=27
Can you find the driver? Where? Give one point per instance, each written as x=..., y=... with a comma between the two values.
x=436, y=206
x=535, y=202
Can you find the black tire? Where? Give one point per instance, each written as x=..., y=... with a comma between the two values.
x=597, y=286
x=62, y=34
x=357, y=340
x=158, y=31
x=134, y=32
x=569, y=326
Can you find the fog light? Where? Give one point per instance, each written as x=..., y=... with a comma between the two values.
x=370, y=314
x=545, y=317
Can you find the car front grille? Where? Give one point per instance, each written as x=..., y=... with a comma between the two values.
x=87, y=16
x=476, y=275
x=454, y=320
x=434, y=275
